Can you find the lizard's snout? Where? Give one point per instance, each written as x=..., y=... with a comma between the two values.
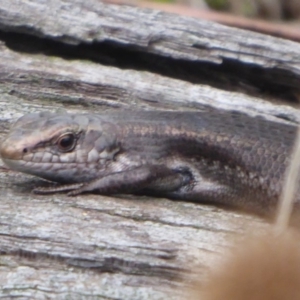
x=10, y=150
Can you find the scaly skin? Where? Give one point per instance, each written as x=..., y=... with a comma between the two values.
x=211, y=156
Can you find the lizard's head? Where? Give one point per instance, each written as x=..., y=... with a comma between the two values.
x=59, y=147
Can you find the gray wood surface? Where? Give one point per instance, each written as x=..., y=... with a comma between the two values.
x=93, y=56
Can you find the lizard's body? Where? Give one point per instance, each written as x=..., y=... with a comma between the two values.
x=212, y=155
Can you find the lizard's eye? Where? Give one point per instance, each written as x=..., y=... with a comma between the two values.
x=66, y=142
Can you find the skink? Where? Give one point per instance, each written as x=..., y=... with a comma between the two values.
x=212, y=156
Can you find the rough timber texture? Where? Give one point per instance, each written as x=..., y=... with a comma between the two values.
x=92, y=56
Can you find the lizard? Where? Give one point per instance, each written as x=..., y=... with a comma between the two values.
x=211, y=156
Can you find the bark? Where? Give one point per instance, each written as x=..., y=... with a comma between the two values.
x=91, y=56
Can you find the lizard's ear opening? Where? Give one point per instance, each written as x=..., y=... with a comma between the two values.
x=66, y=142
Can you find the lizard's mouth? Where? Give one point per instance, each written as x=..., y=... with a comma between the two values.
x=21, y=165
x=12, y=163
x=62, y=172
x=49, y=171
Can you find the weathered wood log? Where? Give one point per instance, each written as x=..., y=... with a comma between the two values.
x=92, y=56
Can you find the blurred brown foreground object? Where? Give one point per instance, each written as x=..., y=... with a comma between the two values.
x=261, y=267
x=288, y=30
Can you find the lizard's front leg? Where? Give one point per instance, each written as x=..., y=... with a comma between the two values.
x=155, y=178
